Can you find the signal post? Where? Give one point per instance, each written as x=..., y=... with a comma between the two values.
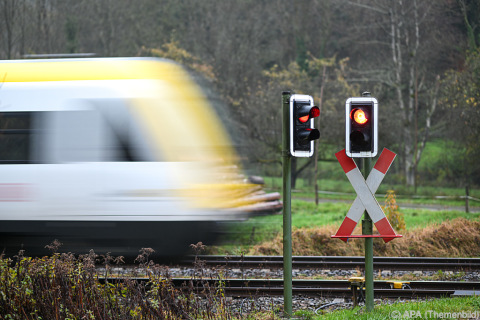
x=361, y=137
x=361, y=141
x=298, y=133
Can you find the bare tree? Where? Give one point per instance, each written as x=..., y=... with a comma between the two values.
x=9, y=11
x=416, y=34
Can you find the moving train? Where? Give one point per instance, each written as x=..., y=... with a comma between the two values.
x=114, y=155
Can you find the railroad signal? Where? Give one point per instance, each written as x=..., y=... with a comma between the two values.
x=302, y=131
x=361, y=123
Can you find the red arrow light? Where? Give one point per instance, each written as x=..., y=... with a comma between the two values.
x=304, y=118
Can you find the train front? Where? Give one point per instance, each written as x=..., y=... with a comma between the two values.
x=189, y=137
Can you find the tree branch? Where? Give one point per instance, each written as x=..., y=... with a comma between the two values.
x=428, y=120
x=367, y=7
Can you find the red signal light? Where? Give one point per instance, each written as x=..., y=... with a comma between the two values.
x=359, y=116
x=314, y=112
x=304, y=118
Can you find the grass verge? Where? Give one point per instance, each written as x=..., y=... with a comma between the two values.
x=446, y=308
x=451, y=238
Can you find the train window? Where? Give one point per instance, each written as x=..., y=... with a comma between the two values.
x=72, y=136
x=88, y=135
x=15, y=131
x=103, y=131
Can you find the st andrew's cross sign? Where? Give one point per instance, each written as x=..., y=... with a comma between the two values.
x=365, y=196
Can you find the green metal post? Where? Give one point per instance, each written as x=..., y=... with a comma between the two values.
x=367, y=229
x=287, y=208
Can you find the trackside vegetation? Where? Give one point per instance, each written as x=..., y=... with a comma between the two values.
x=453, y=238
x=446, y=308
x=65, y=287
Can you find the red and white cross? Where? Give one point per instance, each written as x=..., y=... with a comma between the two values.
x=365, y=195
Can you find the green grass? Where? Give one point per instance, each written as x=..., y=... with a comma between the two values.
x=412, y=310
x=305, y=214
x=341, y=189
x=421, y=218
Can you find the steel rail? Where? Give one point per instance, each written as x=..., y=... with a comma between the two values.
x=327, y=262
x=323, y=288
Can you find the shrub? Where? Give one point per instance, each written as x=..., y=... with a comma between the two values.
x=65, y=287
x=395, y=217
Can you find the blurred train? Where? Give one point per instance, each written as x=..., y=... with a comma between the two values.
x=114, y=155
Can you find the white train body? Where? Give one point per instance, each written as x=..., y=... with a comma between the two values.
x=120, y=149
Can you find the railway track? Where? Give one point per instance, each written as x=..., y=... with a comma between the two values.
x=323, y=288
x=328, y=262
x=242, y=287
x=335, y=288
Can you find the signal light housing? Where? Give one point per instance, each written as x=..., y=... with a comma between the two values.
x=302, y=131
x=361, y=119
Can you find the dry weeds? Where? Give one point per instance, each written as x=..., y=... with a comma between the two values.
x=63, y=286
x=453, y=238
